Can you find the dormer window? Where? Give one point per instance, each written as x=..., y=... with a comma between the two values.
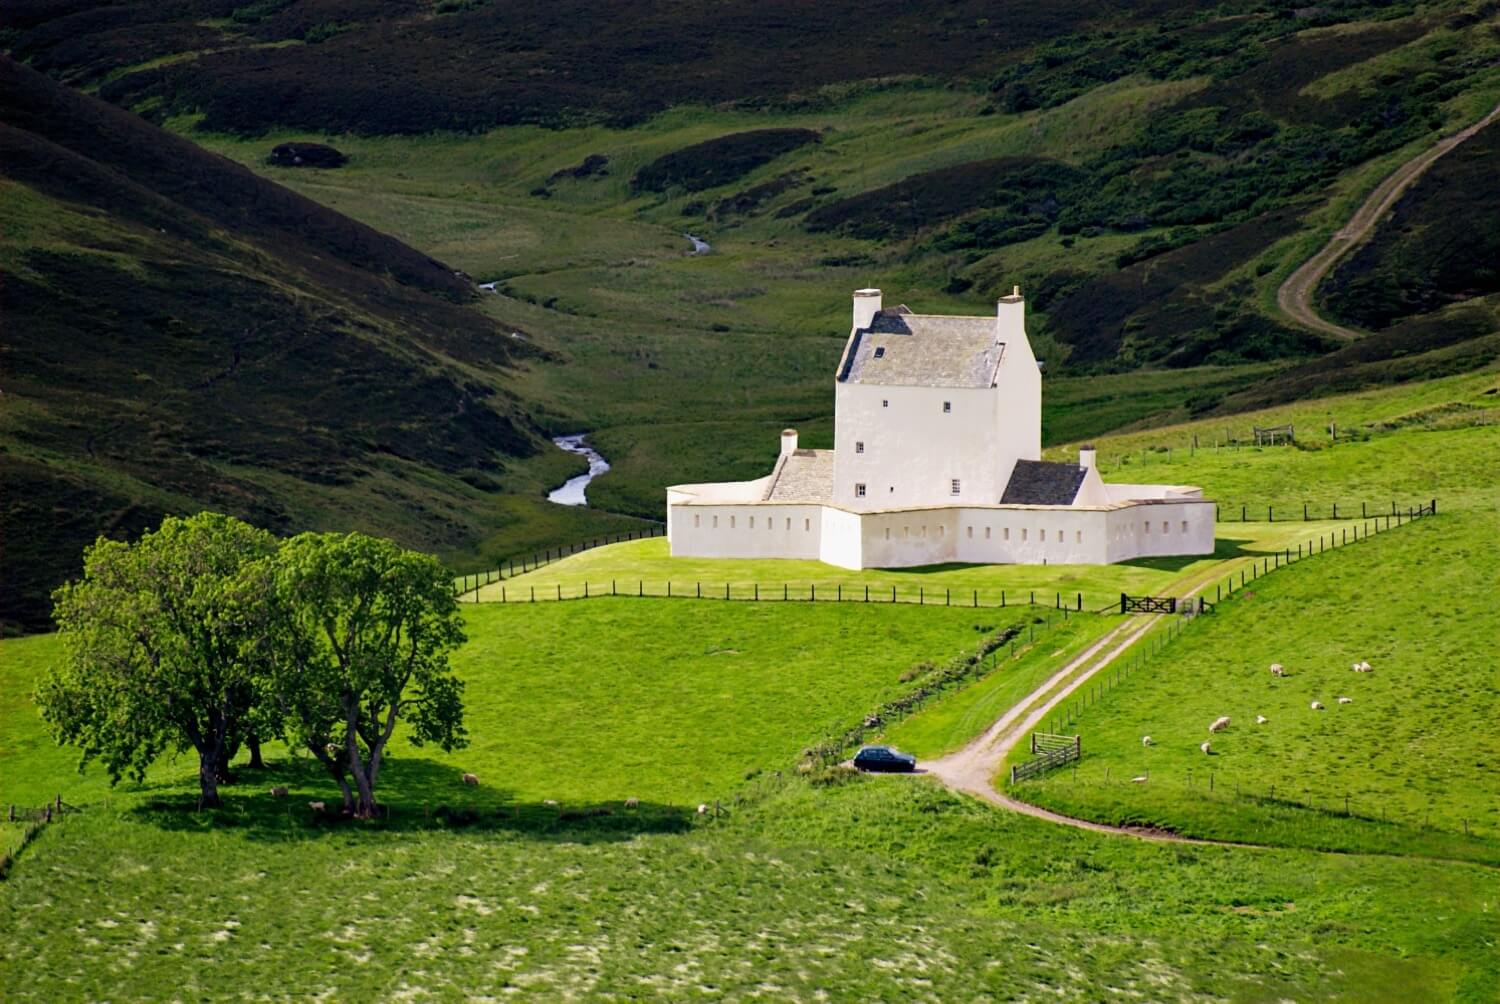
x=880, y=352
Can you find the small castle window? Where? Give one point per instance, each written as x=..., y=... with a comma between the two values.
x=1044, y=536
x=987, y=533
x=731, y=522
x=885, y=403
x=970, y=533
x=1061, y=536
x=716, y=522
x=1165, y=526
x=1006, y=533
x=752, y=522
x=887, y=533
x=947, y=407
x=697, y=521
x=1184, y=526
x=942, y=531
x=905, y=532
x=1023, y=533
x=953, y=487
x=807, y=524
x=1078, y=536
x=1148, y=526
x=859, y=491
x=789, y=522
x=880, y=352
x=859, y=447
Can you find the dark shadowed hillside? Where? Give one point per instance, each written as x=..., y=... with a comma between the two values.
x=181, y=333
x=1441, y=244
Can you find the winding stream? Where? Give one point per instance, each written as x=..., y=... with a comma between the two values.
x=573, y=491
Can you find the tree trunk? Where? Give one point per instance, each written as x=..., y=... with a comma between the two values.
x=253, y=741
x=366, y=807
x=208, y=778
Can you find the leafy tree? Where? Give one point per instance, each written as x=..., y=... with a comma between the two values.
x=361, y=637
x=161, y=649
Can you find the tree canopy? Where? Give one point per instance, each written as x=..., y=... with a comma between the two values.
x=361, y=635
x=161, y=649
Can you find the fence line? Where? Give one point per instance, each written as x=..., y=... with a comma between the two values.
x=1049, y=751
x=511, y=567
x=1345, y=805
x=37, y=820
x=1114, y=675
x=1268, y=512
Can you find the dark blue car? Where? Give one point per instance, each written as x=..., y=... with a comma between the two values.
x=883, y=758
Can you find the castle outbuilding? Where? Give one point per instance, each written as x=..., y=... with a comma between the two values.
x=937, y=458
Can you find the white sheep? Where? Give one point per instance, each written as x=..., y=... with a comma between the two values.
x=1346, y=700
x=278, y=792
x=1146, y=740
x=632, y=803
x=1261, y=719
x=1207, y=749
x=1363, y=667
x=1219, y=724
x=1277, y=669
x=550, y=802
x=316, y=806
x=702, y=809
x=472, y=780
x=1317, y=705
x=1138, y=780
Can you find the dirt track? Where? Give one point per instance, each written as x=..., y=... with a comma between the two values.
x=971, y=769
x=1296, y=294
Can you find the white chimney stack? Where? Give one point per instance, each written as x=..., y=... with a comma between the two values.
x=1010, y=317
x=788, y=442
x=1086, y=455
x=866, y=306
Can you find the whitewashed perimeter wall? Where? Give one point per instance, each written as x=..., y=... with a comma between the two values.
x=764, y=530
x=1022, y=535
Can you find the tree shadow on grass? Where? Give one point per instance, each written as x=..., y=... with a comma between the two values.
x=415, y=795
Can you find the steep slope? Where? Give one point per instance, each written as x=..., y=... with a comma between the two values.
x=182, y=333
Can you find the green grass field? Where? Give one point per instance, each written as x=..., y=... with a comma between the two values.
x=1415, y=750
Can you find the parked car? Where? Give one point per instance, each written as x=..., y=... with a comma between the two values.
x=883, y=758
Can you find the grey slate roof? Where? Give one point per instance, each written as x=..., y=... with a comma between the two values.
x=1039, y=482
x=924, y=350
x=805, y=476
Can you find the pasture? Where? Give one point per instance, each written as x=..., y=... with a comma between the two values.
x=1409, y=762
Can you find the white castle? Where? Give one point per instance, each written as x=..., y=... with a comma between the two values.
x=937, y=458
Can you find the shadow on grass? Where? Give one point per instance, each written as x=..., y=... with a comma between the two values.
x=1224, y=548
x=415, y=795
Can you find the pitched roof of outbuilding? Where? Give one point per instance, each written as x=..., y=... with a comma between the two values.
x=1040, y=482
x=924, y=350
x=803, y=476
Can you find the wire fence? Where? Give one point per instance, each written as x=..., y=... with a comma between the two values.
x=1294, y=801
x=1294, y=511
x=36, y=820
x=520, y=565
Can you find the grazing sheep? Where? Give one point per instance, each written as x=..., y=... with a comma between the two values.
x=1363, y=667
x=1277, y=669
x=278, y=792
x=316, y=806
x=551, y=801
x=1261, y=719
x=1207, y=749
x=1346, y=700
x=632, y=803
x=1145, y=740
x=1138, y=780
x=702, y=809
x=1317, y=705
x=1219, y=724
x=472, y=780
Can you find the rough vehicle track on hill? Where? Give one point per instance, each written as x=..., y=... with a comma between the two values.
x=1294, y=298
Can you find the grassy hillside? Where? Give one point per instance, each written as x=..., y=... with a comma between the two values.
x=183, y=334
